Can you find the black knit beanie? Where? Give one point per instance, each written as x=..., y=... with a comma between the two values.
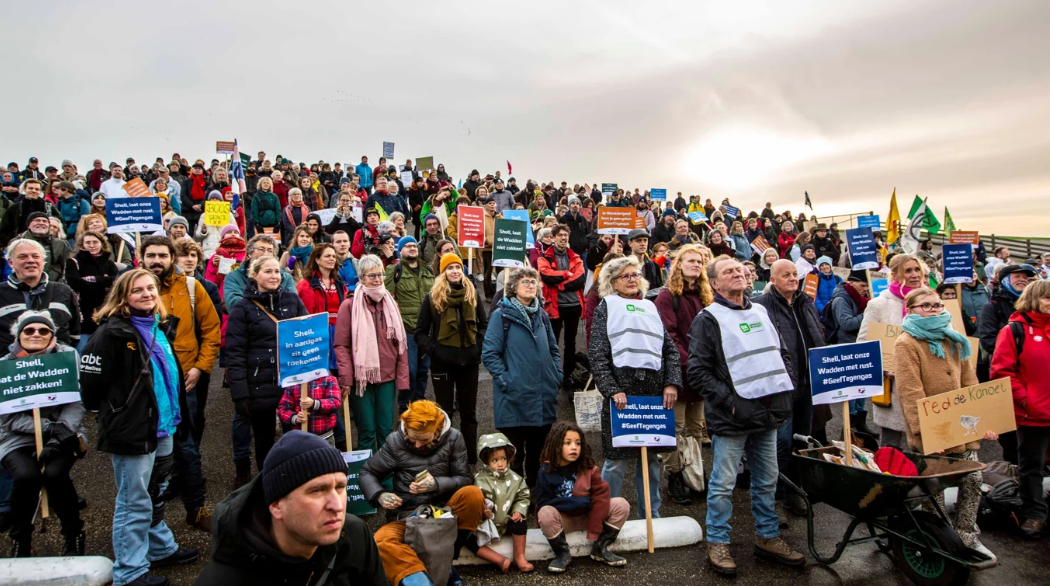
x=294, y=460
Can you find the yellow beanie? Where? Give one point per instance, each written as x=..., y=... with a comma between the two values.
x=448, y=259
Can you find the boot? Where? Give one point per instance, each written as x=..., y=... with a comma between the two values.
x=244, y=473
x=519, y=554
x=859, y=422
x=562, y=556
x=22, y=547
x=600, y=550
x=494, y=557
x=705, y=438
x=75, y=544
x=720, y=559
x=778, y=550
x=677, y=489
x=1031, y=528
x=199, y=519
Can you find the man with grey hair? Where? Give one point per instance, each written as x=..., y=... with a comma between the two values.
x=56, y=250
x=28, y=287
x=744, y=406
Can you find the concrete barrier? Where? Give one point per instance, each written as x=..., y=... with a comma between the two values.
x=667, y=532
x=56, y=571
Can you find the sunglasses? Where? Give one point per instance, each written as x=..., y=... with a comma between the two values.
x=36, y=331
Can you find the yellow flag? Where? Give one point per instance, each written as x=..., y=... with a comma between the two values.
x=893, y=221
x=382, y=213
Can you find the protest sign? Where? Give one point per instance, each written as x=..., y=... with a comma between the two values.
x=471, y=226
x=616, y=220
x=523, y=215
x=658, y=194
x=588, y=214
x=957, y=417
x=759, y=245
x=246, y=159
x=355, y=498
x=863, y=252
x=326, y=215
x=226, y=265
x=871, y=221
x=425, y=163
x=639, y=222
x=136, y=188
x=841, y=272
x=845, y=372
x=388, y=150
x=223, y=147
x=878, y=286
x=406, y=178
x=962, y=237
x=508, y=243
x=133, y=214
x=886, y=335
x=810, y=285
x=732, y=212
x=698, y=217
x=274, y=233
x=358, y=212
x=609, y=189
x=216, y=213
x=643, y=422
x=958, y=263
x=41, y=381
x=302, y=349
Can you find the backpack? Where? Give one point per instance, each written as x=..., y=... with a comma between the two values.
x=652, y=294
x=1017, y=329
x=830, y=325
x=506, y=326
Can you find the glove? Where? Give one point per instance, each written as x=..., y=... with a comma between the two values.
x=51, y=451
x=67, y=438
x=242, y=407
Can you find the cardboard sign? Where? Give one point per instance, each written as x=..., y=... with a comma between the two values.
x=508, y=243
x=302, y=349
x=40, y=381
x=523, y=215
x=326, y=215
x=425, y=163
x=962, y=237
x=841, y=272
x=643, y=422
x=471, y=226
x=658, y=194
x=227, y=265
x=698, y=217
x=732, y=212
x=957, y=417
x=811, y=284
x=224, y=148
x=609, y=188
x=886, y=335
x=760, y=245
x=216, y=213
x=845, y=371
x=388, y=150
x=133, y=214
x=871, y=221
x=355, y=498
x=958, y=263
x=618, y=221
x=863, y=252
x=137, y=188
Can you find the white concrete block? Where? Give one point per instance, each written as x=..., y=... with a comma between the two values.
x=56, y=571
x=667, y=532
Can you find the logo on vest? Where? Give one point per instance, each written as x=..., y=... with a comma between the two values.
x=632, y=307
x=747, y=328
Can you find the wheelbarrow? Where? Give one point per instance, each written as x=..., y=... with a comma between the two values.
x=923, y=544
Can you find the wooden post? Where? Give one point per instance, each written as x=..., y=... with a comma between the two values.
x=346, y=419
x=303, y=392
x=846, y=433
x=39, y=432
x=648, y=504
x=470, y=261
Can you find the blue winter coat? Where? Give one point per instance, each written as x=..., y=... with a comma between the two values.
x=826, y=290
x=525, y=368
x=72, y=208
x=742, y=247
x=366, y=174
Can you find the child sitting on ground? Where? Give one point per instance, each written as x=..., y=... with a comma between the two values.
x=571, y=496
x=324, y=399
x=510, y=495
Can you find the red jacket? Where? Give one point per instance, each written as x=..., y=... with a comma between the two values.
x=677, y=325
x=321, y=417
x=555, y=280
x=1027, y=373
x=317, y=300
x=784, y=243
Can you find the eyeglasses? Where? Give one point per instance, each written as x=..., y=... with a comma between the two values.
x=528, y=282
x=629, y=277
x=36, y=331
x=928, y=306
x=373, y=277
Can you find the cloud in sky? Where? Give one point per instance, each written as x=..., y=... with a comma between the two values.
x=757, y=101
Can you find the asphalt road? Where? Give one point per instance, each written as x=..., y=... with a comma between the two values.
x=1021, y=562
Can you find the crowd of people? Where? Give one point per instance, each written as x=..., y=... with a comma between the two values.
x=153, y=317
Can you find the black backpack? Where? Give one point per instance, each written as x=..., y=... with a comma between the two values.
x=1017, y=329
x=830, y=325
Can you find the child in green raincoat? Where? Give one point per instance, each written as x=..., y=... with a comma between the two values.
x=509, y=495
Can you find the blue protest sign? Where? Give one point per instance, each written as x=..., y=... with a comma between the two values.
x=643, y=422
x=523, y=215
x=863, y=252
x=878, y=286
x=698, y=217
x=732, y=212
x=958, y=263
x=302, y=349
x=133, y=214
x=845, y=372
x=868, y=222
x=658, y=194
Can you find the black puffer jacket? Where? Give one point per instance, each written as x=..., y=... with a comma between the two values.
x=57, y=298
x=90, y=277
x=446, y=461
x=994, y=316
x=251, y=345
x=799, y=327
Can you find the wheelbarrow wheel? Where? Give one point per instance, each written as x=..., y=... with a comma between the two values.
x=921, y=565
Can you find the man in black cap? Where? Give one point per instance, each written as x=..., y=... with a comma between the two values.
x=504, y=199
x=472, y=184
x=847, y=311
x=289, y=525
x=32, y=170
x=824, y=245
x=638, y=240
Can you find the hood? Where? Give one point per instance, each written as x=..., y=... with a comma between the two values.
x=1032, y=318
x=512, y=313
x=442, y=437
x=490, y=441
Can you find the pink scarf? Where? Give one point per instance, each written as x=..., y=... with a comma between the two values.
x=901, y=291
x=366, y=346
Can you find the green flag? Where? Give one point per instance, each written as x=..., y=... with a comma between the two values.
x=915, y=203
x=930, y=223
x=949, y=225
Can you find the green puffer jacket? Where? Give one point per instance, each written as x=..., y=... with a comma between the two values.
x=266, y=210
x=507, y=489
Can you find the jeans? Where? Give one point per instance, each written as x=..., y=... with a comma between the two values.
x=200, y=405
x=1032, y=443
x=140, y=534
x=83, y=342
x=857, y=406
x=613, y=472
x=418, y=370
x=187, y=454
x=761, y=449
x=374, y=414
x=569, y=317
x=241, y=436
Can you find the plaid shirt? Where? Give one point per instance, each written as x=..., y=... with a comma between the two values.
x=328, y=399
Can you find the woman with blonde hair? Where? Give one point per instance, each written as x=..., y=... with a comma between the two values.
x=122, y=250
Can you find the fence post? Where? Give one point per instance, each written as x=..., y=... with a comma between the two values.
x=1028, y=248
x=993, y=242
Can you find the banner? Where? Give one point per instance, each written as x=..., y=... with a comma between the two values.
x=302, y=349
x=523, y=215
x=616, y=220
x=424, y=163
x=216, y=213
x=845, y=372
x=223, y=147
x=732, y=212
x=958, y=263
x=810, y=285
x=137, y=188
x=355, y=498
x=957, y=417
x=40, y=381
x=868, y=222
x=609, y=189
x=698, y=217
x=133, y=214
x=760, y=245
x=388, y=151
x=658, y=194
x=643, y=422
x=863, y=252
x=508, y=243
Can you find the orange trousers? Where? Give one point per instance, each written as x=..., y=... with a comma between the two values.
x=399, y=560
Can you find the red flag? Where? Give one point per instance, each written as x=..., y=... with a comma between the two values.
x=510, y=171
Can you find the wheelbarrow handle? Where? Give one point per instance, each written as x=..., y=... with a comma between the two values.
x=807, y=439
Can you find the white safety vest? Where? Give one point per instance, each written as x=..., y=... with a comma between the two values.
x=636, y=333
x=751, y=346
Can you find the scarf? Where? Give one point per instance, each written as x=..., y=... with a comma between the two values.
x=901, y=291
x=166, y=386
x=365, y=342
x=197, y=187
x=935, y=328
x=526, y=310
x=448, y=326
x=300, y=253
x=1009, y=288
x=858, y=299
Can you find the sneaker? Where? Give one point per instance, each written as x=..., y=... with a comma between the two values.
x=149, y=579
x=181, y=556
x=199, y=519
x=1033, y=529
x=779, y=551
x=720, y=559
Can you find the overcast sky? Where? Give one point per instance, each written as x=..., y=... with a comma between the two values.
x=756, y=101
